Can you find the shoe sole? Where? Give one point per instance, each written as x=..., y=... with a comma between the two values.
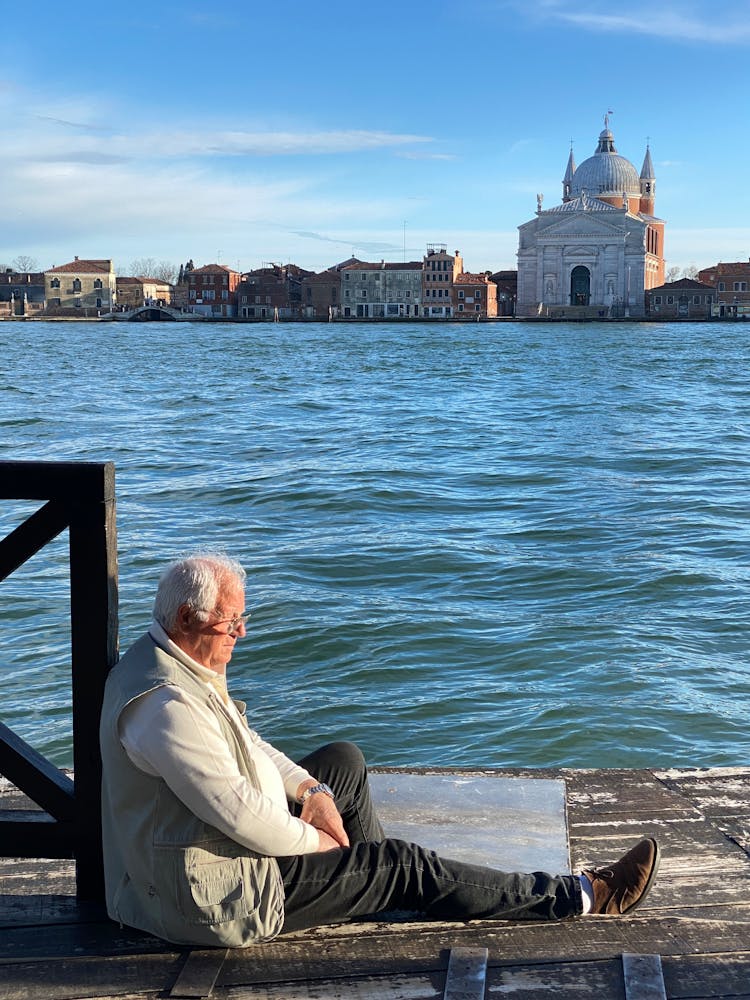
x=651, y=878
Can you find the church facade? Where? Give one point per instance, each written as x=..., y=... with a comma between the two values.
x=599, y=251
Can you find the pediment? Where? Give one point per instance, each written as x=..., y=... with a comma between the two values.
x=584, y=224
x=581, y=251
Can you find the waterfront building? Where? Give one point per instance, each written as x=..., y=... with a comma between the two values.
x=507, y=289
x=21, y=293
x=81, y=287
x=476, y=296
x=321, y=295
x=212, y=290
x=439, y=270
x=134, y=292
x=601, y=249
x=273, y=291
x=380, y=291
x=731, y=283
x=685, y=298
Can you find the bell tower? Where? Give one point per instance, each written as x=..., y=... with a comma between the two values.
x=568, y=178
x=648, y=185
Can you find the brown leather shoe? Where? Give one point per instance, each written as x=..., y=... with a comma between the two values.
x=622, y=886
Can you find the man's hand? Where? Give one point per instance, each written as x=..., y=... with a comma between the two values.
x=320, y=811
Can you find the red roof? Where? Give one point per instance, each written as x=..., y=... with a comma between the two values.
x=79, y=266
x=212, y=269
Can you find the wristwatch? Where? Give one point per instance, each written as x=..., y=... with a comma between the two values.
x=320, y=787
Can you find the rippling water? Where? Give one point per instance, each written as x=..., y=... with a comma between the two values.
x=509, y=544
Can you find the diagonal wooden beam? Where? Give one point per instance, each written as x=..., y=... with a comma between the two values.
x=30, y=536
x=35, y=776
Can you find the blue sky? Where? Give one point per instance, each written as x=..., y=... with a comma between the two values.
x=307, y=132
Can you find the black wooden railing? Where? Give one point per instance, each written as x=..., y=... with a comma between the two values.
x=79, y=497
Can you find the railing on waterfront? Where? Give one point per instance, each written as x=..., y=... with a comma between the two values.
x=79, y=497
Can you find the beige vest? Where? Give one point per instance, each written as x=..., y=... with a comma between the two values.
x=166, y=871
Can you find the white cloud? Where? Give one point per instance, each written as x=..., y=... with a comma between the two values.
x=669, y=21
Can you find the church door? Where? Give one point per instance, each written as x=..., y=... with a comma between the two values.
x=580, y=286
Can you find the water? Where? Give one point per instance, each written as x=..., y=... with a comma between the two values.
x=484, y=545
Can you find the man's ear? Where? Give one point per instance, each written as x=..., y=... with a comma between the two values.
x=185, y=618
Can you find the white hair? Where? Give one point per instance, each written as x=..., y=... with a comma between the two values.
x=194, y=581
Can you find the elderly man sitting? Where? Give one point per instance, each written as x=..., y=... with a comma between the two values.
x=214, y=837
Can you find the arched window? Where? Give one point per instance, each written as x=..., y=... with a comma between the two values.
x=98, y=283
x=55, y=283
x=76, y=284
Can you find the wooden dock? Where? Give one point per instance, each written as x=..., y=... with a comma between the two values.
x=690, y=939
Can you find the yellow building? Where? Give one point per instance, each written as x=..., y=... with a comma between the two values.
x=87, y=287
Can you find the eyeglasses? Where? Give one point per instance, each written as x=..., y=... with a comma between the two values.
x=233, y=624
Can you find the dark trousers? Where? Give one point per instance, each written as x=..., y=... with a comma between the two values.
x=379, y=874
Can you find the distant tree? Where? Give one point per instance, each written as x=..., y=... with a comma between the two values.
x=673, y=273
x=690, y=272
x=25, y=264
x=166, y=271
x=142, y=267
x=149, y=267
x=181, y=275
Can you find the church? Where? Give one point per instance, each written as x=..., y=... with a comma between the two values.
x=597, y=253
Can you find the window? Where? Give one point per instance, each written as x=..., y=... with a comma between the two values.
x=55, y=283
x=98, y=283
x=740, y=286
x=477, y=293
x=76, y=284
x=408, y=293
x=696, y=300
x=657, y=300
x=363, y=293
x=722, y=287
x=670, y=300
x=333, y=294
x=460, y=307
x=461, y=293
x=346, y=275
x=224, y=294
x=346, y=293
x=364, y=277
x=77, y=303
x=377, y=277
x=477, y=308
x=98, y=303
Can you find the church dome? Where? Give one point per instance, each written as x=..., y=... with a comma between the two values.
x=606, y=172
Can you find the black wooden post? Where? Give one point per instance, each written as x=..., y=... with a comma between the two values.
x=93, y=606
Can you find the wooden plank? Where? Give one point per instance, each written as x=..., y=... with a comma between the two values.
x=699, y=976
x=361, y=988
x=66, y=979
x=31, y=834
x=198, y=975
x=557, y=981
x=33, y=774
x=467, y=974
x=60, y=480
x=643, y=977
x=31, y=535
